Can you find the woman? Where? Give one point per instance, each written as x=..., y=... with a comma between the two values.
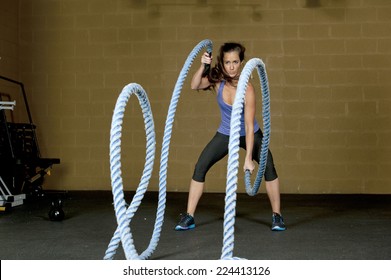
x=224, y=77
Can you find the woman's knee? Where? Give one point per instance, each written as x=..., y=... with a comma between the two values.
x=199, y=172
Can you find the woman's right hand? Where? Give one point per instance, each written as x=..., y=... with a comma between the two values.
x=199, y=81
x=206, y=59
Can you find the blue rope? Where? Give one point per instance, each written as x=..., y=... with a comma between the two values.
x=123, y=233
x=233, y=154
x=124, y=216
x=253, y=190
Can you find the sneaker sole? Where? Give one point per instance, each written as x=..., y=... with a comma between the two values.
x=278, y=229
x=179, y=228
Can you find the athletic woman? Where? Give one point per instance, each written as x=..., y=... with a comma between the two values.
x=223, y=78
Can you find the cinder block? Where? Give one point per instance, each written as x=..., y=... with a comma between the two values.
x=329, y=138
x=90, y=21
x=377, y=61
x=117, y=49
x=362, y=139
x=89, y=50
x=298, y=16
x=361, y=108
x=75, y=65
x=376, y=186
x=347, y=92
x=131, y=34
x=330, y=46
x=375, y=30
x=346, y=61
x=360, y=46
x=73, y=36
x=297, y=78
x=367, y=14
x=103, y=35
x=331, y=78
x=298, y=108
x=312, y=31
x=384, y=75
x=345, y=30
x=90, y=80
x=346, y=186
x=298, y=47
x=268, y=47
x=102, y=6
x=74, y=7
x=321, y=62
x=330, y=108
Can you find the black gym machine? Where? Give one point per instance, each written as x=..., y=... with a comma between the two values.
x=22, y=168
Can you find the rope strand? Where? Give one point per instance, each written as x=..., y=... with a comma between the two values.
x=233, y=153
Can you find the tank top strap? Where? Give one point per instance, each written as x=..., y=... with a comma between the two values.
x=220, y=91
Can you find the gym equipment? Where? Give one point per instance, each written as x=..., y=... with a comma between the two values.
x=124, y=216
x=123, y=233
x=7, y=105
x=21, y=166
x=56, y=213
x=7, y=199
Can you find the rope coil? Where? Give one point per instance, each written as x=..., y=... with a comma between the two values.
x=258, y=63
x=124, y=215
x=233, y=151
x=123, y=233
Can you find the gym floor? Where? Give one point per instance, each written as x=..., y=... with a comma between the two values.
x=319, y=227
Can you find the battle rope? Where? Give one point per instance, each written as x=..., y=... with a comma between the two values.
x=123, y=233
x=124, y=216
x=256, y=62
x=233, y=154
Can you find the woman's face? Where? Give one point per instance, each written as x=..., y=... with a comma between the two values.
x=231, y=62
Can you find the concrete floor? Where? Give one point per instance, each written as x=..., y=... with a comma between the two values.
x=320, y=227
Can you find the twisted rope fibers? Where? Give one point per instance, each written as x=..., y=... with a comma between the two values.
x=123, y=233
x=253, y=190
x=233, y=154
x=124, y=216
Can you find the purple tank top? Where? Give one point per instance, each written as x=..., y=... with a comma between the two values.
x=226, y=110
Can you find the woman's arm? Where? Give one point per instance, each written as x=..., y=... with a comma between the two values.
x=199, y=82
x=249, y=116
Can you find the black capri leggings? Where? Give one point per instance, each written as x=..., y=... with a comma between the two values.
x=217, y=148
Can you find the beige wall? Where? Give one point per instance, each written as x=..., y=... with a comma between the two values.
x=9, y=38
x=329, y=67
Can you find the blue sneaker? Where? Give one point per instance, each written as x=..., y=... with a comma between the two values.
x=186, y=222
x=277, y=222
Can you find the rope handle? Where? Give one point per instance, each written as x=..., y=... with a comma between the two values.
x=207, y=67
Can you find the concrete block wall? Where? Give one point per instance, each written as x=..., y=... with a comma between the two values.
x=329, y=68
x=9, y=38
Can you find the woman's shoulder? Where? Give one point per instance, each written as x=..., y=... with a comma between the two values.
x=250, y=86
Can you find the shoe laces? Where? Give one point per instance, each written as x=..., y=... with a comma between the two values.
x=277, y=218
x=185, y=218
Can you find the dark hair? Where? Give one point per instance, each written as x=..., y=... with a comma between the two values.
x=218, y=73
